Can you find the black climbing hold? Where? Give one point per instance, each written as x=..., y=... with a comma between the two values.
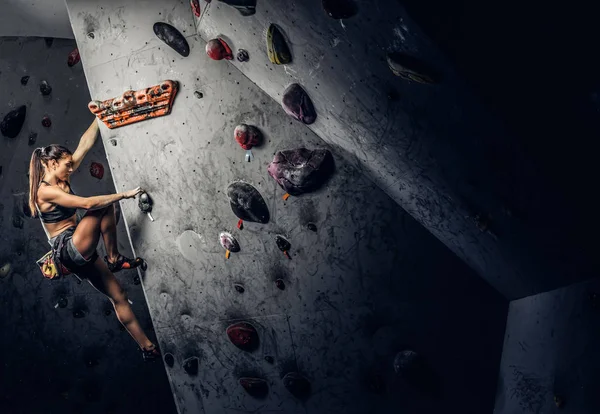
x=78, y=313
x=282, y=243
x=45, y=88
x=247, y=203
x=32, y=138
x=242, y=55
x=136, y=280
x=269, y=359
x=91, y=35
x=229, y=242
x=245, y=7
x=46, y=122
x=340, y=9
x=411, y=68
x=198, y=94
x=169, y=360
x=172, y=37
x=239, y=288
x=63, y=302
x=49, y=41
x=296, y=384
x=297, y=103
x=13, y=122
x=301, y=170
x=190, y=366
x=311, y=227
x=277, y=47
x=256, y=387
x=243, y=335
x=280, y=284
x=24, y=80
x=145, y=203
x=406, y=362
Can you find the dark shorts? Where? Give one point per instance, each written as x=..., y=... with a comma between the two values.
x=71, y=258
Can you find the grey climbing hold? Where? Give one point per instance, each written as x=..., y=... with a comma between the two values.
x=172, y=37
x=242, y=55
x=198, y=94
x=247, y=203
x=13, y=122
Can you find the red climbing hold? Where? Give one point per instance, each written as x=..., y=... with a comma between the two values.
x=73, y=58
x=243, y=335
x=247, y=136
x=218, y=49
x=195, y=7
x=97, y=170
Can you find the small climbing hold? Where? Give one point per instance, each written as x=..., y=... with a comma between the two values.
x=280, y=284
x=286, y=196
x=277, y=47
x=247, y=203
x=269, y=359
x=190, y=366
x=301, y=170
x=32, y=138
x=297, y=103
x=73, y=58
x=297, y=385
x=239, y=288
x=169, y=360
x=243, y=335
x=256, y=387
x=49, y=41
x=247, y=136
x=229, y=243
x=45, y=88
x=97, y=170
x=218, y=49
x=46, y=122
x=91, y=35
x=136, y=280
x=340, y=9
x=13, y=122
x=113, y=142
x=311, y=227
x=5, y=269
x=198, y=94
x=195, y=7
x=172, y=37
x=245, y=7
x=242, y=55
x=24, y=80
x=240, y=224
x=78, y=313
x=411, y=68
x=62, y=302
x=283, y=245
x=406, y=362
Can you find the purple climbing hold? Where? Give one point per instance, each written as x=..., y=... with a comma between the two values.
x=45, y=88
x=172, y=37
x=13, y=122
x=243, y=335
x=301, y=170
x=297, y=384
x=256, y=387
x=340, y=9
x=247, y=203
x=229, y=242
x=297, y=103
x=245, y=7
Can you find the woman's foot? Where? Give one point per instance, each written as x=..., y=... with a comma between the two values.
x=122, y=262
x=150, y=353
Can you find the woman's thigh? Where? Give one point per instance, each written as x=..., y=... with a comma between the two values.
x=87, y=233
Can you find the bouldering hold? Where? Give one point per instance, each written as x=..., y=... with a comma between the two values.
x=24, y=80
x=297, y=385
x=46, y=121
x=135, y=106
x=247, y=136
x=49, y=41
x=301, y=170
x=280, y=284
x=239, y=288
x=97, y=170
x=240, y=224
x=247, y=203
x=190, y=366
x=229, y=243
x=73, y=58
x=195, y=7
x=172, y=37
x=113, y=142
x=340, y=9
x=5, y=269
x=256, y=387
x=242, y=55
x=411, y=68
x=406, y=362
x=145, y=204
x=169, y=360
x=218, y=49
x=136, y=280
x=45, y=88
x=269, y=359
x=245, y=7
x=297, y=103
x=286, y=196
x=198, y=94
x=78, y=313
x=13, y=122
x=283, y=245
x=91, y=35
x=62, y=302
x=243, y=335
x=277, y=47
x=32, y=138
x=311, y=227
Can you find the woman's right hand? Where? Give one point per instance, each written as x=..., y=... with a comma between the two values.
x=132, y=193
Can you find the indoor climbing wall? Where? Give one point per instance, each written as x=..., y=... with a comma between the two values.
x=63, y=349
x=280, y=277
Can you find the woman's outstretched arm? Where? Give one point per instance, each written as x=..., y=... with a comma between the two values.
x=85, y=144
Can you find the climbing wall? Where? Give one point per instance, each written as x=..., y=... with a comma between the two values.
x=63, y=349
x=356, y=309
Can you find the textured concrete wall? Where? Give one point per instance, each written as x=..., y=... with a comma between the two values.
x=370, y=282
x=43, y=18
x=51, y=361
x=551, y=348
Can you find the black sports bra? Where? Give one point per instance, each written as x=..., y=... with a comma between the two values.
x=59, y=213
